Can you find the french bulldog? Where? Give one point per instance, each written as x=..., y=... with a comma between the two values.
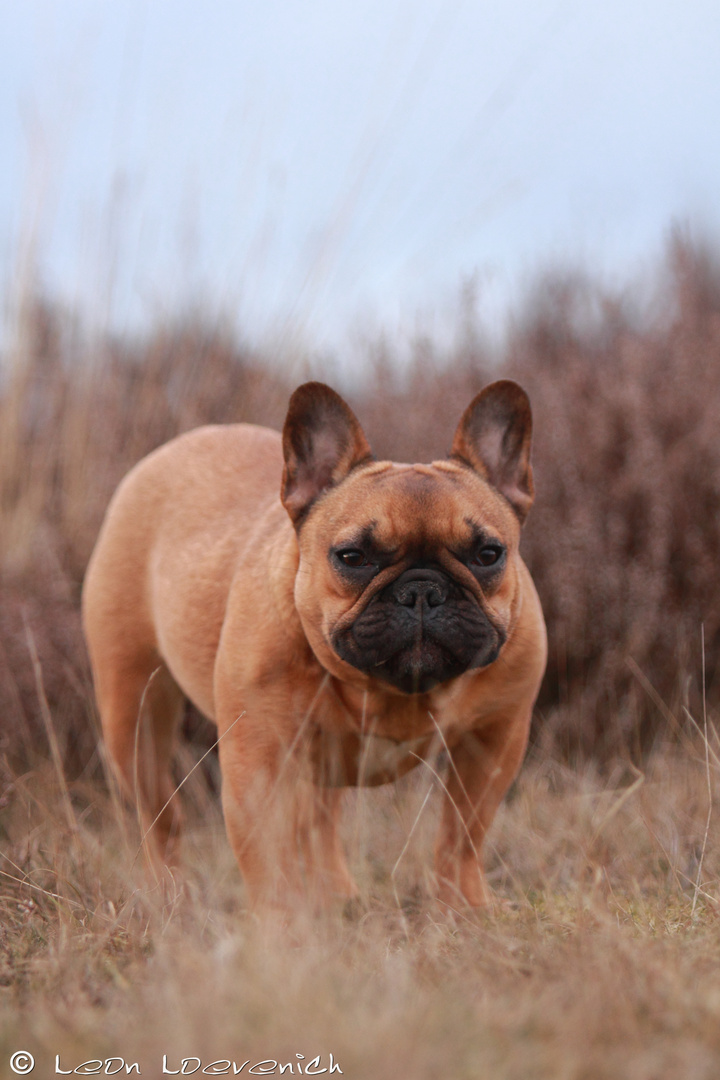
x=342, y=620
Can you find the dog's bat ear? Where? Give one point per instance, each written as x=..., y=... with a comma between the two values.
x=322, y=442
x=494, y=437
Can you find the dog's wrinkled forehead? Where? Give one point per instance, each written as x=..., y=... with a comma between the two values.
x=444, y=503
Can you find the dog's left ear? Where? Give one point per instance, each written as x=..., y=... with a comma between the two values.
x=494, y=437
x=322, y=442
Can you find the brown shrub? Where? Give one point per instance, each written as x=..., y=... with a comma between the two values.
x=626, y=537
x=73, y=419
x=623, y=542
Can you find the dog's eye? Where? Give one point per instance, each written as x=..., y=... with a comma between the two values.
x=487, y=555
x=352, y=557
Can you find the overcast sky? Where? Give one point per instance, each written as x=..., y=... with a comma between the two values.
x=330, y=165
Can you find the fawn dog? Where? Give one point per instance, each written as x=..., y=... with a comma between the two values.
x=340, y=619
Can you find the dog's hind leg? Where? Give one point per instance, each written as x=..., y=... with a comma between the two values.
x=141, y=707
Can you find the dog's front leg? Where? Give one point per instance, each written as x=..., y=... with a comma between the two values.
x=283, y=829
x=263, y=795
x=483, y=764
x=327, y=876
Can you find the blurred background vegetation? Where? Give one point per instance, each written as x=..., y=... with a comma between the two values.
x=623, y=541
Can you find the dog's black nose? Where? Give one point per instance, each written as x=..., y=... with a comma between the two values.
x=415, y=587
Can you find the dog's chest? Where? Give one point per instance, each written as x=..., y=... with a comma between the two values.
x=366, y=742
x=364, y=760
x=378, y=757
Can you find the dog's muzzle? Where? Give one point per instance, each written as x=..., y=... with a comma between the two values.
x=421, y=630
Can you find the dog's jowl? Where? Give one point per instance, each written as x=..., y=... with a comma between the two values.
x=340, y=619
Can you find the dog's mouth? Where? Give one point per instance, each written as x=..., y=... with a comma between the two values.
x=422, y=630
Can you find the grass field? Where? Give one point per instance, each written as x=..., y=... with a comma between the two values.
x=601, y=958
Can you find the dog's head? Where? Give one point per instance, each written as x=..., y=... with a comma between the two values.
x=408, y=574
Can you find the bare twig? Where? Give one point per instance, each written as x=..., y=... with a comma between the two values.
x=707, y=775
x=50, y=729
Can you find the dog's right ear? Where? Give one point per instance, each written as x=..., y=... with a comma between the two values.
x=322, y=442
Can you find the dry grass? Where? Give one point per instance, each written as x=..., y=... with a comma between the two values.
x=603, y=962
